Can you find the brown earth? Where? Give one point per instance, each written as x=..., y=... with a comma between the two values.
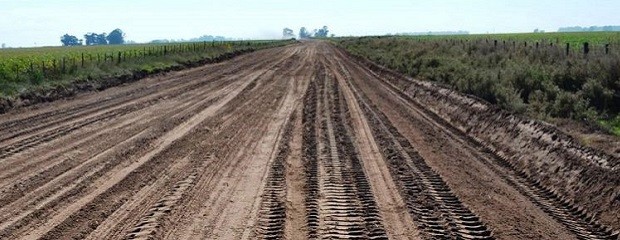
x=296, y=142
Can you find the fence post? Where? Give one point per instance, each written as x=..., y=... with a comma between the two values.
x=607, y=48
x=586, y=48
x=63, y=65
x=567, y=49
x=118, y=61
x=43, y=67
x=82, y=59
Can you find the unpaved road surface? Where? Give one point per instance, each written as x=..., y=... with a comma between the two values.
x=296, y=142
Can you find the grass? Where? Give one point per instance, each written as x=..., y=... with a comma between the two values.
x=612, y=125
x=539, y=80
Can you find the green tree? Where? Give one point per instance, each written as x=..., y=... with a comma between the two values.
x=287, y=33
x=95, y=39
x=303, y=33
x=70, y=40
x=116, y=37
x=321, y=33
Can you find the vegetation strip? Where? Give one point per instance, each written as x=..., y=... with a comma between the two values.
x=545, y=76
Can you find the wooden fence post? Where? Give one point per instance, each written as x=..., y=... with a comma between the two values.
x=567, y=49
x=586, y=48
x=607, y=48
x=82, y=59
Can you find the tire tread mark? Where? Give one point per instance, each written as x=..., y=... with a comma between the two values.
x=438, y=212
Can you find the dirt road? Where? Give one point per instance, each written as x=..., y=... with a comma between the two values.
x=296, y=142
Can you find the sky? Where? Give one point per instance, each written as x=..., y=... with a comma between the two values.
x=27, y=23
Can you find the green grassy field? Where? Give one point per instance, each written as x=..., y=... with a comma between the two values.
x=22, y=69
x=531, y=74
x=575, y=39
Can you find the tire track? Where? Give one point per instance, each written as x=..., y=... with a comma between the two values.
x=272, y=214
x=149, y=223
x=436, y=210
x=340, y=203
x=234, y=203
x=310, y=161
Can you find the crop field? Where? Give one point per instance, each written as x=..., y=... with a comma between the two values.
x=304, y=140
x=574, y=39
x=22, y=69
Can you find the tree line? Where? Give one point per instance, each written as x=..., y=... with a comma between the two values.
x=117, y=36
x=590, y=29
x=304, y=33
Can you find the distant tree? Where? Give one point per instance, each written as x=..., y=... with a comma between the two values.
x=70, y=40
x=4, y=45
x=332, y=35
x=536, y=30
x=303, y=33
x=95, y=39
x=287, y=33
x=160, y=41
x=101, y=39
x=116, y=37
x=321, y=33
x=90, y=38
